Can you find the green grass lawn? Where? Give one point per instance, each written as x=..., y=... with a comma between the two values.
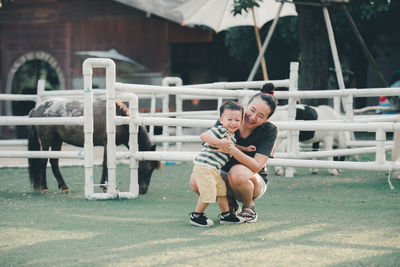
x=308, y=220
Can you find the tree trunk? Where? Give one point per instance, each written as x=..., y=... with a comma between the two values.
x=359, y=65
x=314, y=50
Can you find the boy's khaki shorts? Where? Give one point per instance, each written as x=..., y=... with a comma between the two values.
x=209, y=182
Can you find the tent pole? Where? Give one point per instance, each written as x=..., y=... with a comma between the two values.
x=338, y=68
x=265, y=44
x=335, y=55
x=364, y=46
x=256, y=31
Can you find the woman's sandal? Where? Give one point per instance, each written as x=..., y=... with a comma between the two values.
x=233, y=205
x=249, y=214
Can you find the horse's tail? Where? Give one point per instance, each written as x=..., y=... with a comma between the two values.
x=34, y=163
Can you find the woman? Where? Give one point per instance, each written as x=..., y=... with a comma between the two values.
x=242, y=172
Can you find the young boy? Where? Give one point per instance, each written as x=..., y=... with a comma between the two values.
x=207, y=165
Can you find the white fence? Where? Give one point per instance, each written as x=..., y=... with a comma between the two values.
x=86, y=121
x=380, y=128
x=129, y=92
x=346, y=96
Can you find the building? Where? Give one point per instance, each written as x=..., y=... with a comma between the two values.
x=41, y=38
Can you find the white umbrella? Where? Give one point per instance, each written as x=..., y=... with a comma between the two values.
x=123, y=63
x=217, y=14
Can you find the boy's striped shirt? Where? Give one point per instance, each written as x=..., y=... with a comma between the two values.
x=215, y=160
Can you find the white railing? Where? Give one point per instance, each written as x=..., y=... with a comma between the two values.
x=295, y=157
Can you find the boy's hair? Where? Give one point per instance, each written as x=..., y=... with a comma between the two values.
x=232, y=105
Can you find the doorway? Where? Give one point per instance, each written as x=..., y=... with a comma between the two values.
x=25, y=82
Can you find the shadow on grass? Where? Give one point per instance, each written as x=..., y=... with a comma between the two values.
x=306, y=220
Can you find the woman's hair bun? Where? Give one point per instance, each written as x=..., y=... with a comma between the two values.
x=268, y=88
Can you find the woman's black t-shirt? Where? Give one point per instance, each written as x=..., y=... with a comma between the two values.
x=263, y=138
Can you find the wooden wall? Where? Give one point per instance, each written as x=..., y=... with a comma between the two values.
x=19, y=39
x=61, y=28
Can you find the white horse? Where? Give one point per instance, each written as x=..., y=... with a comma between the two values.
x=329, y=138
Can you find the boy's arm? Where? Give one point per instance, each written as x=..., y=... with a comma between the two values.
x=213, y=140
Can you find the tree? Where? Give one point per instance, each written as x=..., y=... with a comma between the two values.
x=304, y=39
x=282, y=49
x=313, y=48
x=4, y=2
x=376, y=21
x=315, y=54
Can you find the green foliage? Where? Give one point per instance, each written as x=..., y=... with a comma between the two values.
x=377, y=21
x=240, y=5
x=242, y=46
x=29, y=73
x=371, y=9
x=5, y=2
x=240, y=40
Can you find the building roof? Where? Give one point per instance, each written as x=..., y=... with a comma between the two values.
x=161, y=8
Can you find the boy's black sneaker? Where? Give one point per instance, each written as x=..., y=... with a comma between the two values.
x=229, y=218
x=200, y=219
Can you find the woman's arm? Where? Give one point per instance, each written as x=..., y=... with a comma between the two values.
x=225, y=145
x=255, y=164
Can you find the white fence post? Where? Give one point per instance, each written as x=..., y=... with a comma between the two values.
x=179, y=129
x=165, y=129
x=111, y=128
x=348, y=107
x=88, y=66
x=40, y=90
x=380, y=146
x=133, y=145
x=153, y=104
x=88, y=128
x=168, y=81
x=293, y=135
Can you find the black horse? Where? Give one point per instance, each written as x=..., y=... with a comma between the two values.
x=44, y=137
